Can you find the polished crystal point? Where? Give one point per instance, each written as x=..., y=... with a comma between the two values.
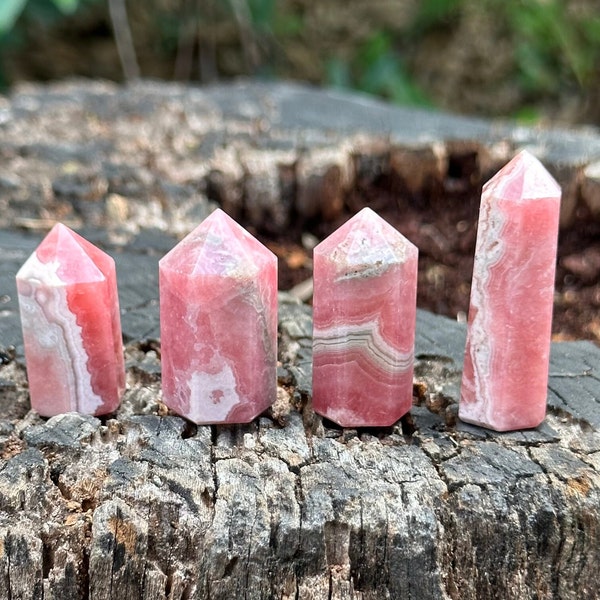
x=505, y=377
x=71, y=326
x=365, y=285
x=218, y=312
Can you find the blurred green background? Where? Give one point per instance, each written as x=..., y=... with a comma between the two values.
x=534, y=60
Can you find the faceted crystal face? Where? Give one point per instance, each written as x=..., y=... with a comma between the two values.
x=523, y=179
x=218, y=298
x=220, y=247
x=364, y=243
x=365, y=281
x=71, y=326
x=505, y=376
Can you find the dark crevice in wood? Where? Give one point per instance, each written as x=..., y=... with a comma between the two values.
x=55, y=473
x=213, y=463
x=7, y=550
x=463, y=166
x=168, y=585
x=6, y=356
x=408, y=425
x=187, y=592
x=84, y=571
x=230, y=567
x=104, y=419
x=47, y=555
x=189, y=430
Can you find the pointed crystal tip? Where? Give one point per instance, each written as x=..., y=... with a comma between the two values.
x=64, y=258
x=218, y=246
x=523, y=178
x=366, y=238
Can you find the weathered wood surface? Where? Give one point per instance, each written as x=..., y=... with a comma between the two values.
x=146, y=505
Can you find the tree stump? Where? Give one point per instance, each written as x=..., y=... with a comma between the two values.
x=143, y=504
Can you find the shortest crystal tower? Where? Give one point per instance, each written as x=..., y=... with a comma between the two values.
x=71, y=326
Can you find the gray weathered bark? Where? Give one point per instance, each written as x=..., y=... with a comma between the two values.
x=146, y=505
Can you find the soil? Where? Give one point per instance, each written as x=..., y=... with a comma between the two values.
x=443, y=224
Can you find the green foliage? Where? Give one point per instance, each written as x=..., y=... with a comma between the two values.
x=66, y=6
x=267, y=18
x=10, y=11
x=527, y=115
x=377, y=68
x=556, y=43
x=551, y=41
x=432, y=13
x=263, y=13
x=381, y=72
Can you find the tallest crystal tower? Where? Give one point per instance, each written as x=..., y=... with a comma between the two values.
x=505, y=376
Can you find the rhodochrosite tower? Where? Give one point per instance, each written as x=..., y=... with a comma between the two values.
x=218, y=315
x=365, y=276
x=505, y=375
x=71, y=326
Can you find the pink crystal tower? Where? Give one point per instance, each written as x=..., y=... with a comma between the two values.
x=218, y=309
x=505, y=377
x=365, y=287
x=71, y=326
